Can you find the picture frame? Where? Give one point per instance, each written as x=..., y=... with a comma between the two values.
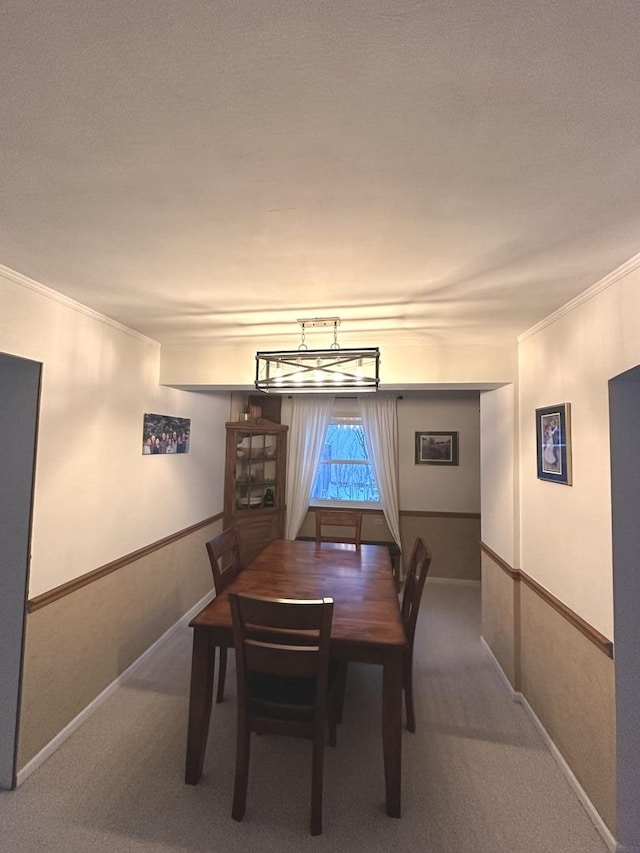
x=553, y=443
x=439, y=447
x=162, y=434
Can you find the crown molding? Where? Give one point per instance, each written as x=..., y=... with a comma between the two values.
x=61, y=299
x=620, y=272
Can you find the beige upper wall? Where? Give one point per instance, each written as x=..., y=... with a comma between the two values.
x=566, y=530
x=436, y=488
x=498, y=486
x=227, y=366
x=96, y=497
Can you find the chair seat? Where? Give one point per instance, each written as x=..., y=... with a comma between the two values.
x=275, y=696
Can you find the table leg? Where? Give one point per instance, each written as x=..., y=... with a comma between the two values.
x=392, y=728
x=200, y=700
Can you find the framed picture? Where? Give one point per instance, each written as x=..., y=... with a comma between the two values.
x=553, y=443
x=165, y=434
x=436, y=448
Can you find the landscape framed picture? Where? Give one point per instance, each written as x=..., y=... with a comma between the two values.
x=553, y=443
x=437, y=448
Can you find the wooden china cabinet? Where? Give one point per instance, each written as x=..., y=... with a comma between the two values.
x=254, y=483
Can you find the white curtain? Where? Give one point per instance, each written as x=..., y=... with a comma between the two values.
x=309, y=421
x=380, y=420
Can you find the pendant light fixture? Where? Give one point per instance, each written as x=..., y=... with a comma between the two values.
x=306, y=371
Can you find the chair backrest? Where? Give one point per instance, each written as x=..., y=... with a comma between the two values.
x=282, y=637
x=348, y=519
x=224, y=556
x=414, y=584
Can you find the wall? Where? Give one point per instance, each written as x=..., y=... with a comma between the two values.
x=439, y=503
x=498, y=485
x=96, y=496
x=77, y=645
x=454, y=488
x=572, y=359
x=442, y=503
x=226, y=365
x=565, y=535
x=499, y=500
x=98, y=499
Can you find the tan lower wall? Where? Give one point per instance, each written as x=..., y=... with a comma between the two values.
x=77, y=645
x=570, y=684
x=499, y=617
x=454, y=540
x=566, y=679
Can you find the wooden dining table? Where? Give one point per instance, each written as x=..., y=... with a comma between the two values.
x=367, y=628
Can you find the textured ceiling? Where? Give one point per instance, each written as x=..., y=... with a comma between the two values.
x=197, y=169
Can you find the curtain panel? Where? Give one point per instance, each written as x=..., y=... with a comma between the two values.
x=310, y=418
x=380, y=421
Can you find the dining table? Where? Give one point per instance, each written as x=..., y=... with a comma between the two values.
x=367, y=628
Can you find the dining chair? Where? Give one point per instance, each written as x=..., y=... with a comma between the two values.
x=224, y=556
x=419, y=565
x=284, y=683
x=350, y=520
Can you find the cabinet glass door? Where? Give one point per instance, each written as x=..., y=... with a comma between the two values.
x=256, y=474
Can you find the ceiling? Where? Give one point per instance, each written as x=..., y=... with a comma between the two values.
x=206, y=169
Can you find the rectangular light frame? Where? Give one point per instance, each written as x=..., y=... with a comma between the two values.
x=320, y=371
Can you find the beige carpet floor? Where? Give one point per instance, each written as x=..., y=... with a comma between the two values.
x=477, y=778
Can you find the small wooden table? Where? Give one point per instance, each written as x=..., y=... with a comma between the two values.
x=367, y=628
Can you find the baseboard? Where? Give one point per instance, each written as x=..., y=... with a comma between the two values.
x=93, y=706
x=588, y=806
x=581, y=794
x=515, y=695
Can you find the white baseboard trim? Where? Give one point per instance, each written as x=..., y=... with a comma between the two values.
x=581, y=794
x=455, y=581
x=588, y=806
x=93, y=706
x=515, y=696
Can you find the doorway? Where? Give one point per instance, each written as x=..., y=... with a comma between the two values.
x=19, y=404
x=624, y=421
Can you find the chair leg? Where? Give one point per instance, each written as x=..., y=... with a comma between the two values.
x=317, y=769
x=341, y=688
x=222, y=673
x=243, y=748
x=408, y=691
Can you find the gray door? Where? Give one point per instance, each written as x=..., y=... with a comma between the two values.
x=19, y=399
x=624, y=422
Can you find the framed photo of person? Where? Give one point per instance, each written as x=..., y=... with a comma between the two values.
x=436, y=448
x=553, y=443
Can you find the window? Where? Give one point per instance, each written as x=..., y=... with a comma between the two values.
x=344, y=472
